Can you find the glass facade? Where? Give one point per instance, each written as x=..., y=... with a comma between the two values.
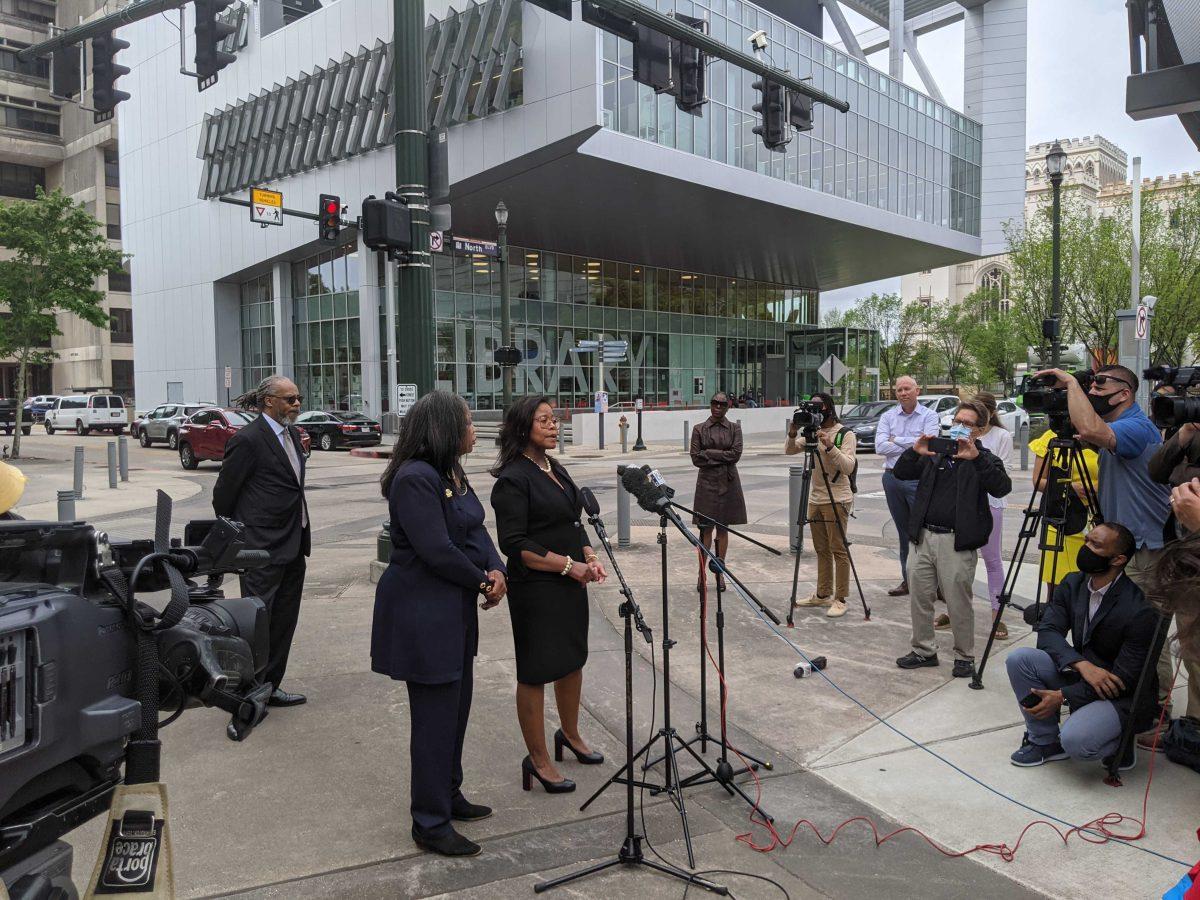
x=896, y=149
x=326, y=338
x=857, y=348
x=258, y=330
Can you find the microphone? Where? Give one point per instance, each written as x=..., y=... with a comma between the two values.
x=647, y=487
x=590, y=506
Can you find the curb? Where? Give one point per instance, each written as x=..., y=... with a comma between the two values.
x=379, y=452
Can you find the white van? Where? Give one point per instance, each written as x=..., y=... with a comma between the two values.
x=85, y=412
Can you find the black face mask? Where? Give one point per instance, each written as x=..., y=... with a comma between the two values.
x=1092, y=563
x=1103, y=405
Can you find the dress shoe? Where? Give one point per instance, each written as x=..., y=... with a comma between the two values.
x=941, y=623
x=588, y=759
x=283, y=698
x=528, y=773
x=916, y=661
x=963, y=668
x=452, y=844
x=463, y=810
x=900, y=590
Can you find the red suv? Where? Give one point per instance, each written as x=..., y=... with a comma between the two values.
x=205, y=435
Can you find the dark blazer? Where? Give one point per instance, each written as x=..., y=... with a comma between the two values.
x=425, y=600
x=257, y=487
x=533, y=514
x=974, y=481
x=1119, y=640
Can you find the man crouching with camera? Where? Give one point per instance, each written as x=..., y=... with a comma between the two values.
x=950, y=521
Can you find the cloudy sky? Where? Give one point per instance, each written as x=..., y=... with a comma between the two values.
x=1078, y=62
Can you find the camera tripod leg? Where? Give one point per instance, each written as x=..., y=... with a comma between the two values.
x=801, y=521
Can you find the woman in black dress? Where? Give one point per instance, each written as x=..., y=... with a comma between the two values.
x=538, y=525
x=426, y=630
x=715, y=449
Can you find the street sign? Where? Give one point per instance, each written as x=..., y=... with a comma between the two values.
x=507, y=356
x=698, y=386
x=872, y=370
x=638, y=403
x=229, y=376
x=471, y=245
x=601, y=401
x=1143, y=315
x=832, y=370
x=437, y=241
x=406, y=396
x=266, y=207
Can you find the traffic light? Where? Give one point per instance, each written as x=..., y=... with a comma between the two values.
x=329, y=209
x=773, y=127
x=210, y=32
x=105, y=73
x=65, y=69
x=800, y=111
x=690, y=64
x=558, y=7
x=652, y=60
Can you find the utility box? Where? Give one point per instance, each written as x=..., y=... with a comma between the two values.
x=386, y=224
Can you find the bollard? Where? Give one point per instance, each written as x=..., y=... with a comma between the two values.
x=66, y=506
x=687, y=437
x=123, y=457
x=112, y=464
x=622, y=515
x=623, y=424
x=78, y=473
x=562, y=441
x=795, y=488
x=1023, y=437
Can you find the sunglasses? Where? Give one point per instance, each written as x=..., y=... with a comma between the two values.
x=288, y=398
x=1102, y=380
x=721, y=403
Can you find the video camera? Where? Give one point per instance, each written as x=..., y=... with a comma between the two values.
x=808, y=415
x=1172, y=412
x=1041, y=396
x=73, y=668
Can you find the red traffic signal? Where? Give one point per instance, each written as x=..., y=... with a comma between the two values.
x=329, y=217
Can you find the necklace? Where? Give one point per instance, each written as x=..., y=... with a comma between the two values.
x=546, y=468
x=460, y=487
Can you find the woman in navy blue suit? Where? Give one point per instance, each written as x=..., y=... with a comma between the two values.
x=426, y=628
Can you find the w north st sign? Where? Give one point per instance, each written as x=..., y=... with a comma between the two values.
x=471, y=245
x=266, y=207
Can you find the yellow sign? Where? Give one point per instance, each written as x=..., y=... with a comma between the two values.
x=266, y=207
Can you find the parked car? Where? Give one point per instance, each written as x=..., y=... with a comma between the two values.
x=1012, y=416
x=35, y=407
x=162, y=423
x=8, y=418
x=940, y=403
x=330, y=430
x=205, y=434
x=87, y=412
x=863, y=419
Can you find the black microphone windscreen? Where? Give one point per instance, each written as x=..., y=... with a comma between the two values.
x=590, y=506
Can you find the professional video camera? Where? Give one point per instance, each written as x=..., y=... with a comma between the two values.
x=1173, y=411
x=82, y=663
x=808, y=415
x=1041, y=396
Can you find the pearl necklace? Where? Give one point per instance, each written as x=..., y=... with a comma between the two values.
x=546, y=468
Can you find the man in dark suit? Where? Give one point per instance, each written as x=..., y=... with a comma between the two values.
x=1093, y=642
x=261, y=485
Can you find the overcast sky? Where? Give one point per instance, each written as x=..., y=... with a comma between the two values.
x=1078, y=62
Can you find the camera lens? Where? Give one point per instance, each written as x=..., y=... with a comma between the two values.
x=1172, y=412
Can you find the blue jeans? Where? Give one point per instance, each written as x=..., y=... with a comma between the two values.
x=900, y=496
x=1092, y=732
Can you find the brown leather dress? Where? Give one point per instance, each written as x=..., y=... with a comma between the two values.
x=716, y=448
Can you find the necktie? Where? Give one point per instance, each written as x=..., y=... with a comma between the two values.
x=289, y=447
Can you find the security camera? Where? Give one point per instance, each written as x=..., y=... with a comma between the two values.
x=758, y=41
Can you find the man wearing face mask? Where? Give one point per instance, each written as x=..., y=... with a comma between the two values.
x=950, y=521
x=1092, y=644
x=1108, y=417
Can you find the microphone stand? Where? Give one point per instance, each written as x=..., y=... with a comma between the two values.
x=630, y=853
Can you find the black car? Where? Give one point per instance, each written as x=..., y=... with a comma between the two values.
x=330, y=430
x=8, y=418
x=863, y=420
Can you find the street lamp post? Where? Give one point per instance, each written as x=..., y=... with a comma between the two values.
x=1055, y=161
x=506, y=338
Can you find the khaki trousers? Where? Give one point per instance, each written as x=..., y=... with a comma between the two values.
x=936, y=564
x=1141, y=572
x=830, y=549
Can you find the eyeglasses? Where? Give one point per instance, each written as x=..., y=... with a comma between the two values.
x=545, y=420
x=1102, y=380
x=288, y=398
x=721, y=403
x=964, y=424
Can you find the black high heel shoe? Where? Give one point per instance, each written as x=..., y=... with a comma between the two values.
x=588, y=759
x=528, y=773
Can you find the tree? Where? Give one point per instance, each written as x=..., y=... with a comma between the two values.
x=946, y=327
x=898, y=326
x=57, y=255
x=993, y=337
x=1171, y=272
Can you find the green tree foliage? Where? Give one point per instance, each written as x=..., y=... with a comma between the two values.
x=57, y=254
x=898, y=326
x=993, y=336
x=1171, y=272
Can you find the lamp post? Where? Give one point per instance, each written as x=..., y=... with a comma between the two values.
x=506, y=371
x=1055, y=160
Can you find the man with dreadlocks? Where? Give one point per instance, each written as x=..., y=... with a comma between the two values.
x=261, y=485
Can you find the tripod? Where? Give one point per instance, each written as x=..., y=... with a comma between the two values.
x=802, y=519
x=1063, y=456
x=630, y=853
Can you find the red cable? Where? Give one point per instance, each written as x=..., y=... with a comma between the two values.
x=1104, y=824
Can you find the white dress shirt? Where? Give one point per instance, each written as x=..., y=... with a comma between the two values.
x=289, y=450
x=899, y=430
x=1000, y=443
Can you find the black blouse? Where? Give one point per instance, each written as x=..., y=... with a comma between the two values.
x=535, y=514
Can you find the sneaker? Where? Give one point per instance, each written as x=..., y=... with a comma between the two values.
x=836, y=610
x=941, y=623
x=814, y=600
x=1034, y=754
x=1002, y=632
x=916, y=661
x=963, y=668
x=1127, y=763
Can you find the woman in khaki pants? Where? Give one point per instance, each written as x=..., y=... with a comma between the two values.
x=835, y=454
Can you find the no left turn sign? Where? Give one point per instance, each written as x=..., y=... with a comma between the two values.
x=1143, y=314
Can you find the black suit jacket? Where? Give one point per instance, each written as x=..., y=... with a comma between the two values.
x=974, y=481
x=257, y=487
x=1119, y=639
x=535, y=514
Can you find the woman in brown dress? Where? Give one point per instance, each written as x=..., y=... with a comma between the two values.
x=716, y=448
